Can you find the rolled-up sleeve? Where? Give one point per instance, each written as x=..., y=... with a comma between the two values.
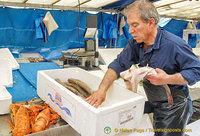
x=189, y=64
x=191, y=75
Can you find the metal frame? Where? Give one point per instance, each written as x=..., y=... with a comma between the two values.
x=186, y=32
x=24, y=4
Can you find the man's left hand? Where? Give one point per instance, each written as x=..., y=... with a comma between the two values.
x=159, y=78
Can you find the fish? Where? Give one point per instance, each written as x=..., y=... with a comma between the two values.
x=133, y=76
x=81, y=84
x=80, y=90
x=76, y=86
x=69, y=87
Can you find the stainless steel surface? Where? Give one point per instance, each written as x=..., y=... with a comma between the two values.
x=58, y=131
x=4, y=126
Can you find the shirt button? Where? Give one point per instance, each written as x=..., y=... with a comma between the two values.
x=185, y=99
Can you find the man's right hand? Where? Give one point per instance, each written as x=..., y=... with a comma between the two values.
x=97, y=98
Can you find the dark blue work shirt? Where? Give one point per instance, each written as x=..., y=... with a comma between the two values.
x=170, y=53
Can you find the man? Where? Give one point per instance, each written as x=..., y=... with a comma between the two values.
x=174, y=61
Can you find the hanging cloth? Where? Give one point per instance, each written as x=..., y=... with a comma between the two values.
x=38, y=28
x=50, y=23
x=122, y=24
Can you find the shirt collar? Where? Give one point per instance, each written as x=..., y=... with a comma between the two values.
x=156, y=45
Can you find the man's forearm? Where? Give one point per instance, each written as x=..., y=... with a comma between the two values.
x=108, y=79
x=176, y=79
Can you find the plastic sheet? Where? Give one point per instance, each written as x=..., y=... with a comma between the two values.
x=22, y=90
x=29, y=70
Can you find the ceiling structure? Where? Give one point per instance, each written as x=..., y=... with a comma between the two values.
x=182, y=9
x=94, y=5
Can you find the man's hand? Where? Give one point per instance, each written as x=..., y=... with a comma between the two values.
x=159, y=78
x=97, y=98
x=162, y=78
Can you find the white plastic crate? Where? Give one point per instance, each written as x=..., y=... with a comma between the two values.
x=6, y=54
x=5, y=100
x=6, y=78
x=121, y=109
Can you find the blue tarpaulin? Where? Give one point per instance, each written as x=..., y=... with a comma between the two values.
x=25, y=80
x=29, y=70
x=176, y=27
x=22, y=90
x=18, y=28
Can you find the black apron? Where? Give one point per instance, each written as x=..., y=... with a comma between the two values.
x=168, y=121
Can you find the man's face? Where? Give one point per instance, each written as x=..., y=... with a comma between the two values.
x=137, y=27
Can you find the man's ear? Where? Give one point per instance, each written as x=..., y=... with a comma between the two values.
x=152, y=22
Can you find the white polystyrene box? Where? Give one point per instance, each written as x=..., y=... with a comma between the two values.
x=6, y=54
x=121, y=109
x=6, y=78
x=5, y=100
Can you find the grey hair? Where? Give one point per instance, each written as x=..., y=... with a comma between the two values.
x=146, y=10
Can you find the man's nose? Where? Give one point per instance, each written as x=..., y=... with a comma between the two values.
x=131, y=30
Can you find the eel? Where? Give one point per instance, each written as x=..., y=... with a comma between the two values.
x=81, y=84
x=80, y=90
x=70, y=88
x=133, y=76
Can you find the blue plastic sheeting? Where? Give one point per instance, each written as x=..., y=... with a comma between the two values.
x=25, y=80
x=122, y=40
x=110, y=30
x=102, y=19
x=29, y=70
x=18, y=28
x=22, y=90
x=192, y=40
x=52, y=54
x=176, y=27
x=126, y=31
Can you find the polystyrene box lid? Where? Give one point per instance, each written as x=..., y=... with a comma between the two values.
x=4, y=94
x=6, y=78
x=6, y=54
